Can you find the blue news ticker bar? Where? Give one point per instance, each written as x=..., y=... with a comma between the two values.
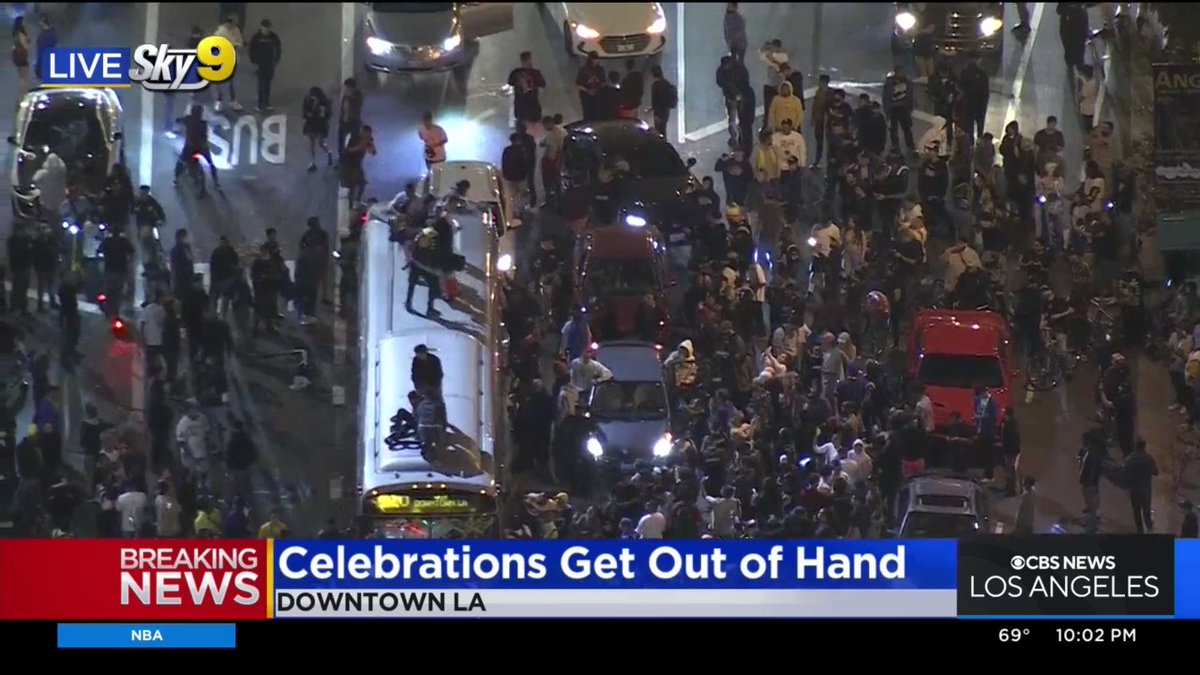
x=928, y=564
x=147, y=636
x=1187, y=578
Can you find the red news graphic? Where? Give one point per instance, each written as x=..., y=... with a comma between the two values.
x=76, y=579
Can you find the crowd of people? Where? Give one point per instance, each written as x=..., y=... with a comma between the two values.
x=792, y=410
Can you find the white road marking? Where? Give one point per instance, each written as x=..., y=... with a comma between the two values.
x=1035, y=22
x=145, y=177
x=852, y=89
x=476, y=119
x=343, y=206
x=146, y=149
x=680, y=74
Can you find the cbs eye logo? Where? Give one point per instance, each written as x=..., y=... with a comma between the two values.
x=160, y=68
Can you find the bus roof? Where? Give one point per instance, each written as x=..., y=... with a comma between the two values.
x=463, y=337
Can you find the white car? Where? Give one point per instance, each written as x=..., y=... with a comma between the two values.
x=81, y=126
x=611, y=29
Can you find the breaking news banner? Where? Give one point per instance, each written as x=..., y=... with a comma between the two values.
x=206, y=580
x=1068, y=577
x=614, y=579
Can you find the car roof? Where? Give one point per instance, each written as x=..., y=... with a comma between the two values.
x=620, y=242
x=949, y=489
x=947, y=332
x=622, y=137
x=631, y=360
x=483, y=177
x=56, y=96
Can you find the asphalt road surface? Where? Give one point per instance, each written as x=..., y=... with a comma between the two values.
x=306, y=441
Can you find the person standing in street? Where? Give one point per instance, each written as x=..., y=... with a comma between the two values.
x=1087, y=86
x=664, y=98
x=349, y=115
x=730, y=75
x=265, y=52
x=170, y=121
x=527, y=82
x=898, y=101
x=529, y=143
x=773, y=56
x=47, y=39
x=633, y=87
x=316, y=110
x=1140, y=470
x=1022, y=18
x=552, y=145
x=588, y=81
x=69, y=318
x=434, y=139
x=976, y=90
x=230, y=30
x=515, y=168
x=1073, y=32
x=314, y=243
x=1091, y=461
x=735, y=32
x=20, y=56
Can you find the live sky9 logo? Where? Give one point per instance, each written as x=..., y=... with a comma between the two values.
x=161, y=68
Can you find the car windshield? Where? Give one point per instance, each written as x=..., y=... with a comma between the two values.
x=647, y=160
x=929, y=525
x=69, y=130
x=613, y=277
x=412, y=7
x=629, y=400
x=960, y=371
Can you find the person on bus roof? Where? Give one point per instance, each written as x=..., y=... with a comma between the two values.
x=427, y=371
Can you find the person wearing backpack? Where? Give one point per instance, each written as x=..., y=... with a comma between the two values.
x=168, y=514
x=664, y=97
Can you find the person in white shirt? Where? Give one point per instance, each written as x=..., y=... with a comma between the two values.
x=191, y=433
x=653, y=525
x=725, y=514
x=925, y=411
x=1087, y=86
x=434, y=138
x=167, y=512
x=587, y=372
x=858, y=463
x=154, y=321
x=934, y=140
x=789, y=143
x=51, y=181
x=131, y=507
x=230, y=30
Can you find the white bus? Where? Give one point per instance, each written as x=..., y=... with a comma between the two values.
x=405, y=489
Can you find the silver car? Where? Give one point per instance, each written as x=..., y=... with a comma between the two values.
x=631, y=411
x=940, y=507
x=401, y=37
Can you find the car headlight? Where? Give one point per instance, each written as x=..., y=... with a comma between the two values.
x=74, y=230
x=659, y=26
x=635, y=221
x=586, y=33
x=662, y=447
x=504, y=263
x=594, y=448
x=379, y=47
x=906, y=21
x=451, y=43
x=990, y=25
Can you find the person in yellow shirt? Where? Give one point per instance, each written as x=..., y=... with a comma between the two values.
x=273, y=528
x=786, y=106
x=765, y=159
x=208, y=522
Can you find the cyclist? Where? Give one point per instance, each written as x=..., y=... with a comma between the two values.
x=1056, y=316
x=195, y=142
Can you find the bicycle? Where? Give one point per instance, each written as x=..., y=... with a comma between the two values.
x=1051, y=365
